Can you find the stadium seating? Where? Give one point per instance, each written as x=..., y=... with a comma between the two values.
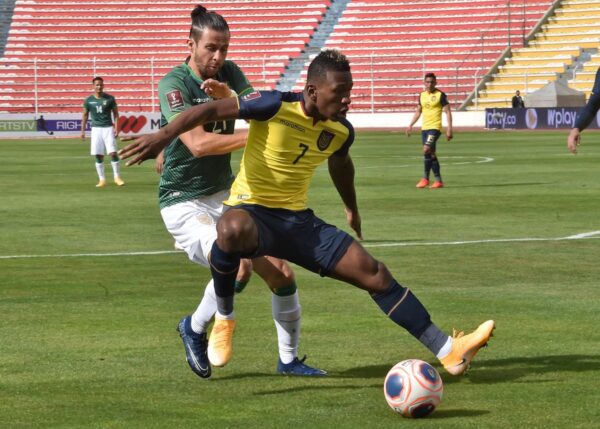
x=63, y=44
x=550, y=56
x=392, y=43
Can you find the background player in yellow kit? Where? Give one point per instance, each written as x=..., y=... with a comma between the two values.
x=432, y=102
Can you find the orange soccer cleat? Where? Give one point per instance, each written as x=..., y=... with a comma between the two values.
x=465, y=347
x=437, y=184
x=220, y=342
x=423, y=183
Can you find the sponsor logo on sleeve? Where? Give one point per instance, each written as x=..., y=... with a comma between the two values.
x=175, y=99
x=252, y=96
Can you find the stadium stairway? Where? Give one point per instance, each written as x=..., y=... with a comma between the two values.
x=6, y=12
x=316, y=43
x=563, y=50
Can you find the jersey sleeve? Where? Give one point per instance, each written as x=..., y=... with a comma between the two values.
x=237, y=80
x=259, y=105
x=85, y=106
x=591, y=108
x=444, y=99
x=173, y=97
x=346, y=146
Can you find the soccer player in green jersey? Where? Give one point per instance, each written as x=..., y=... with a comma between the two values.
x=102, y=108
x=432, y=102
x=291, y=134
x=195, y=179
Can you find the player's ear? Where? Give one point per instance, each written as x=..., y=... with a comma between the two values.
x=311, y=90
x=190, y=44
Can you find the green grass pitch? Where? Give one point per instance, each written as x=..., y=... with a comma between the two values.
x=88, y=312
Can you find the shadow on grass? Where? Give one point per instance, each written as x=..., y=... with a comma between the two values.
x=448, y=414
x=512, y=369
x=482, y=371
x=497, y=370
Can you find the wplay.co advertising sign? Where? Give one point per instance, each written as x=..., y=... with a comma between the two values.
x=535, y=118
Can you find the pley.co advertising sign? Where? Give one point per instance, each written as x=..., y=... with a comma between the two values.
x=535, y=118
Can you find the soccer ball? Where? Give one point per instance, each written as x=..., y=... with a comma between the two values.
x=413, y=388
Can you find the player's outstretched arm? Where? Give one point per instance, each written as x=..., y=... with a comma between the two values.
x=341, y=170
x=150, y=145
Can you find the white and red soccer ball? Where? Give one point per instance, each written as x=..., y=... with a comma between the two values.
x=413, y=388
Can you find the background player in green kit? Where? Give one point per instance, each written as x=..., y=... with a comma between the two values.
x=195, y=180
x=102, y=107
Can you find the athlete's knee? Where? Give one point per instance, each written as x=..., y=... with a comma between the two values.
x=379, y=277
x=236, y=232
x=373, y=275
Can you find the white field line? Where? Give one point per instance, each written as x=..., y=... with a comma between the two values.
x=477, y=160
x=582, y=236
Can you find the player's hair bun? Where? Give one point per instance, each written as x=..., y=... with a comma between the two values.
x=198, y=10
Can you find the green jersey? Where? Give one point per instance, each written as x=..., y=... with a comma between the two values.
x=100, y=109
x=184, y=176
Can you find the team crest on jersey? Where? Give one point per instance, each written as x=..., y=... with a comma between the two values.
x=251, y=96
x=175, y=99
x=324, y=140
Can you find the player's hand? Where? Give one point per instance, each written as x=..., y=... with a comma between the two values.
x=83, y=135
x=354, y=221
x=144, y=147
x=449, y=135
x=216, y=89
x=408, y=131
x=574, y=140
x=160, y=161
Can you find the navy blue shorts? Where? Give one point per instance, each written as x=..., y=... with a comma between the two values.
x=430, y=138
x=299, y=237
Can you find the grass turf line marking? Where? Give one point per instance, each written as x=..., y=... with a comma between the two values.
x=583, y=236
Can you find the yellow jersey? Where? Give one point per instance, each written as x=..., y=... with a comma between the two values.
x=285, y=146
x=432, y=104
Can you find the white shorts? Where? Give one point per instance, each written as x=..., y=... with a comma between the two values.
x=103, y=141
x=193, y=224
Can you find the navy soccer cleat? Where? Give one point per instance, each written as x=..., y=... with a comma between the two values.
x=195, y=348
x=298, y=367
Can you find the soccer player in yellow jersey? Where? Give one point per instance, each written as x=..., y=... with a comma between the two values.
x=432, y=102
x=290, y=135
